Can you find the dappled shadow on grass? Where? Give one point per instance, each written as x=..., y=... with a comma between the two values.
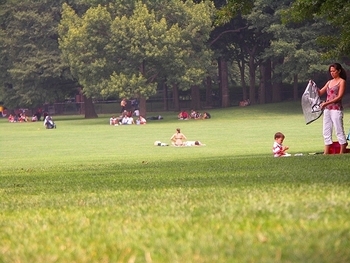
x=259, y=172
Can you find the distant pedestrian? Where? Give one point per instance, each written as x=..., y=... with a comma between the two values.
x=123, y=104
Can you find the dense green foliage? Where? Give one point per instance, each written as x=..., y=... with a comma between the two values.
x=231, y=8
x=90, y=192
x=135, y=48
x=127, y=55
x=31, y=69
x=336, y=13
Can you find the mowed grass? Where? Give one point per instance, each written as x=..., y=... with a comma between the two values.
x=90, y=192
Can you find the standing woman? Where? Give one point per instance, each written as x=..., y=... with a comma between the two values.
x=178, y=138
x=333, y=108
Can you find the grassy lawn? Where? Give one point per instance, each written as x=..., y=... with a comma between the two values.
x=90, y=192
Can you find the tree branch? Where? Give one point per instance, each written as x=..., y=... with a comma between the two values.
x=225, y=32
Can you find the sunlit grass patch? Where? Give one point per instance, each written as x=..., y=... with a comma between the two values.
x=89, y=192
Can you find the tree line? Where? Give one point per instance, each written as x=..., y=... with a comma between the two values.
x=131, y=48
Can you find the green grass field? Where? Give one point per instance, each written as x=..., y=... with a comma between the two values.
x=90, y=192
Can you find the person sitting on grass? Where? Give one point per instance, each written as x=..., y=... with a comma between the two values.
x=183, y=115
x=113, y=120
x=124, y=120
x=206, y=115
x=278, y=149
x=127, y=120
x=49, y=123
x=195, y=115
x=23, y=117
x=177, y=138
x=141, y=120
x=11, y=118
x=131, y=120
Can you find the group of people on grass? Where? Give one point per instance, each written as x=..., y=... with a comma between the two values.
x=21, y=117
x=127, y=118
x=332, y=114
x=195, y=115
x=128, y=115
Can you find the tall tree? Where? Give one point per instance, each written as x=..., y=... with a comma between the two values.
x=297, y=45
x=223, y=41
x=288, y=51
x=126, y=55
x=281, y=52
x=32, y=70
x=293, y=49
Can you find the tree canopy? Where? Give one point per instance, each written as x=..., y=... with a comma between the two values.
x=337, y=13
x=127, y=54
x=125, y=48
x=32, y=71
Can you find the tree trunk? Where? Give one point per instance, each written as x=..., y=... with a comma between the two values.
x=89, y=107
x=243, y=83
x=252, y=93
x=223, y=76
x=295, y=87
x=277, y=83
x=142, y=103
x=276, y=91
x=208, y=93
x=142, y=106
x=268, y=82
x=195, y=98
x=176, y=98
x=262, y=85
x=265, y=82
x=165, y=97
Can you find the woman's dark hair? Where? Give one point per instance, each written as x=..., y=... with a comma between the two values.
x=178, y=130
x=339, y=67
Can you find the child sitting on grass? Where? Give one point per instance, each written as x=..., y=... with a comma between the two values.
x=278, y=149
